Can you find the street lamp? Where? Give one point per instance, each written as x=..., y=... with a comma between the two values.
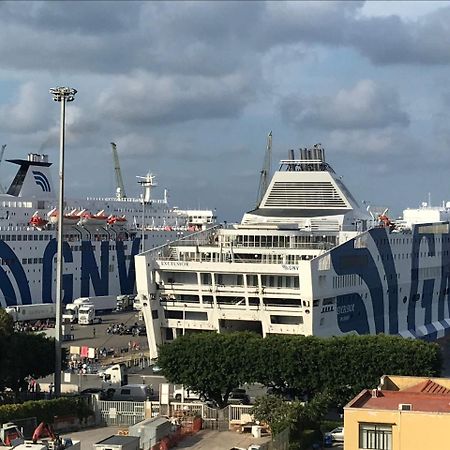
x=62, y=95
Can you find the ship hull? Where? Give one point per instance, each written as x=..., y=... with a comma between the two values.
x=90, y=267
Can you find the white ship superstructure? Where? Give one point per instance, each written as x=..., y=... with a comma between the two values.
x=102, y=236
x=308, y=260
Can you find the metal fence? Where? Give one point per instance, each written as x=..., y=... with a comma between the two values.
x=280, y=441
x=120, y=412
x=129, y=413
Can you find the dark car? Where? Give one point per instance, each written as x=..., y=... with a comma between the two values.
x=238, y=397
x=90, y=391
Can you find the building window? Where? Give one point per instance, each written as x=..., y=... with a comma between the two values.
x=375, y=436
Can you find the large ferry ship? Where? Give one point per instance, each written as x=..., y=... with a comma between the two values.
x=102, y=236
x=308, y=260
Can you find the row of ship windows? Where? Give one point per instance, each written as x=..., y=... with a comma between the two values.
x=27, y=261
x=415, y=298
x=25, y=237
x=403, y=241
x=387, y=257
x=203, y=316
x=346, y=280
x=110, y=269
x=234, y=280
x=355, y=280
x=278, y=241
x=237, y=301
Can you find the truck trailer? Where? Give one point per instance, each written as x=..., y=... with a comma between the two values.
x=29, y=313
x=103, y=303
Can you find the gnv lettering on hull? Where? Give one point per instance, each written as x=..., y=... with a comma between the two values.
x=91, y=273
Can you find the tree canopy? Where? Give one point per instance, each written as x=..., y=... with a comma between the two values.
x=209, y=363
x=23, y=354
x=213, y=364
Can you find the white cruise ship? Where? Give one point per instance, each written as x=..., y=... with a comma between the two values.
x=308, y=260
x=102, y=236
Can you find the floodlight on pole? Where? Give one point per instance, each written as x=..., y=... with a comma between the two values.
x=62, y=95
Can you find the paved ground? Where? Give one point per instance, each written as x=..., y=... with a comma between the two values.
x=84, y=334
x=90, y=437
x=205, y=439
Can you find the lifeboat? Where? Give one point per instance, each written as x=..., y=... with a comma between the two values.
x=68, y=219
x=114, y=220
x=37, y=221
x=93, y=219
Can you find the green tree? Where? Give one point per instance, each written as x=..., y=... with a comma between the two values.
x=23, y=354
x=211, y=364
x=272, y=410
x=296, y=415
x=6, y=323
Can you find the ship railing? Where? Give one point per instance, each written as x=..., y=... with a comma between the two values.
x=299, y=245
x=238, y=302
x=165, y=252
x=270, y=260
x=124, y=200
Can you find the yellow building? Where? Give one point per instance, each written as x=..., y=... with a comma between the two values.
x=404, y=413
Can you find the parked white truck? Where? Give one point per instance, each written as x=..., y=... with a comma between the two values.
x=70, y=313
x=86, y=315
x=103, y=303
x=25, y=313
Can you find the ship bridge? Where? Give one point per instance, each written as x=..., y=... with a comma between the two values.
x=306, y=191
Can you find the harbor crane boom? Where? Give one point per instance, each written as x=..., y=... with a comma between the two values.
x=265, y=172
x=120, y=190
x=2, y=152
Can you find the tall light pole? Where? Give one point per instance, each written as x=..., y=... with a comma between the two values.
x=62, y=95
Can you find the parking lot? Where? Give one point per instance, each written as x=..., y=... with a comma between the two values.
x=96, y=336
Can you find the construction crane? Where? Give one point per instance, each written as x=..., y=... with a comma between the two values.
x=2, y=152
x=120, y=190
x=265, y=172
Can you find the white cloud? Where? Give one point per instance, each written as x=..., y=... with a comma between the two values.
x=366, y=105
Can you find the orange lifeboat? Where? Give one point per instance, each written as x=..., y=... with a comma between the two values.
x=37, y=221
x=68, y=219
x=115, y=220
x=93, y=219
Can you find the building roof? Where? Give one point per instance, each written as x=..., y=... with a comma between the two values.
x=426, y=396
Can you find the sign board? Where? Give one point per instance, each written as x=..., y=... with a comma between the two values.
x=164, y=393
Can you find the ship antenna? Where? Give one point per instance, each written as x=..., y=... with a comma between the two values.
x=265, y=171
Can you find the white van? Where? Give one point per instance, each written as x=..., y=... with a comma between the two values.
x=182, y=395
x=133, y=393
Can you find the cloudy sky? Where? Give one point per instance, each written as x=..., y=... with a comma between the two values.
x=189, y=91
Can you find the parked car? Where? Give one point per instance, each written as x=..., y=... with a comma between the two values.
x=238, y=397
x=133, y=393
x=90, y=391
x=337, y=434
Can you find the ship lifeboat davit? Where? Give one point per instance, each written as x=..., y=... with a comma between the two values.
x=93, y=219
x=114, y=220
x=68, y=219
x=37, y=221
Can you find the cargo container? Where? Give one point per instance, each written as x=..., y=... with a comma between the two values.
x=151, y=431
x=118, y=443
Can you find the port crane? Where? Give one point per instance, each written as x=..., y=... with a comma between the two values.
x=120, y=190
x=2, y=152
x=264, y=177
